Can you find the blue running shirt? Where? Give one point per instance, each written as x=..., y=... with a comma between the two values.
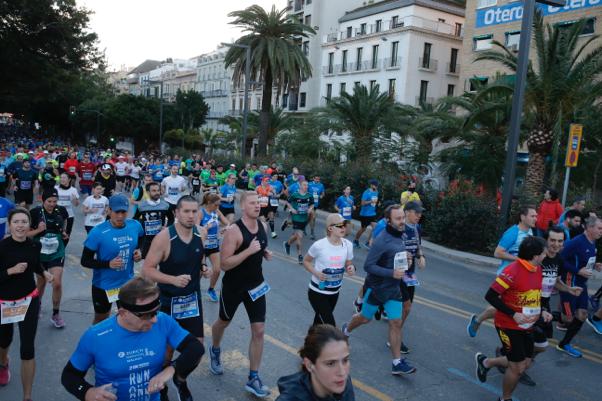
x=511, y=240
x=345, y=206
x=369, y=210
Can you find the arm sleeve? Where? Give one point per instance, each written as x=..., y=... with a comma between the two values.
x=74, y=381
x=90, y=262
x=4, y=275
x=493, y=297
x=191, y=351
x=569, y=257
x=371, y=265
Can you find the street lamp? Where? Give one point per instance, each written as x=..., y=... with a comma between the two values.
x=73, y=110
x=150, y=82
x=517, y=102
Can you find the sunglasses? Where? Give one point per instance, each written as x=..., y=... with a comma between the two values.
x=145, y=315
x=339, y=225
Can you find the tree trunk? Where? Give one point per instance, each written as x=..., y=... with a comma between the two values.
x=595, y=180
x=264, y=115
x=536, y=170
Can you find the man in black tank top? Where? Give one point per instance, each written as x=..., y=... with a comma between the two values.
x=243, y=249
x=178, y=252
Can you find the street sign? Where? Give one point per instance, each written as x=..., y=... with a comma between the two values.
x=574, y=145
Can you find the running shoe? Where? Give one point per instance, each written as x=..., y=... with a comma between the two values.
x=182, y=390
x=526, y=380
x=385, y=316
x=595, y=303
x=597, y=326
x=481, y=370
x=215, y=365
x=498, y=353
x=257, y=388
x=283, y=226
x=300, y=259
x=473, y=326
x=402, y=368
x=356, y=244
x=4, y=375
x=274, y=235
x=569, y=350
x=57, y=321
x=377, y=314
x=561, y=326
x=212, y=295
x=357, y=306
x=287, y=248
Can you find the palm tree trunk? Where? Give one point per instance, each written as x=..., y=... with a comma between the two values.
x=264, y=115
x=536, y=170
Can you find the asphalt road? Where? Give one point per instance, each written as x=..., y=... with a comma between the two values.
x=435, y=333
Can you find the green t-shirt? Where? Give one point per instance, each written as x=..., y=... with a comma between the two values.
x=252, y=174
x=205, y=174
x=301, y=203
x=228, y=172
x=221, y=178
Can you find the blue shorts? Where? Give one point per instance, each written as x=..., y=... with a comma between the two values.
x=570, y=303
x=392, y=307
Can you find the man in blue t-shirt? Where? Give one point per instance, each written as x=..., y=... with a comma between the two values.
x=5, y=207
x=116, y=244
x=507, y=252
x=368, y=205
x=127, y=351
x=317, y=191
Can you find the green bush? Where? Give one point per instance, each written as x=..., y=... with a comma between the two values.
x=463, y=221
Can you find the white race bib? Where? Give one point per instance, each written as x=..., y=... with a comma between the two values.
x=274, y=202
x=529, y=312
x=112, y=295
x=591, y=262
x=49, y=245
x=185, y=307
x=400, y=262
x=347, y=211
x=14, y=311
x=259, y=291
x=547, y=286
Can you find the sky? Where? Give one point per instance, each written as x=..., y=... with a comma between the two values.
x=131, y=31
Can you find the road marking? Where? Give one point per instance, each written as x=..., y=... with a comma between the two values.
x=484, y=386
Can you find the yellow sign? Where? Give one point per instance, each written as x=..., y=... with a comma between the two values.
x=574, y=145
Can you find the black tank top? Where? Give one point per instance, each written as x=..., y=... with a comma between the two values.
x=183, y=259
x=248, y=274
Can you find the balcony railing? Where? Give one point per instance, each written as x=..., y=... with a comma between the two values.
x=392, y=63
x=424, y=100
x=328, y=70
x=427, y=64
x=453, y=69
x=214, y=93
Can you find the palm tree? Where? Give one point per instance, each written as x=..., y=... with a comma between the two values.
x=279, y=122
x=276, y=57
x=366, y=115
x=209, y=139
x=563, y=80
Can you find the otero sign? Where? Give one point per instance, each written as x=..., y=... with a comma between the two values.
x=514, y=11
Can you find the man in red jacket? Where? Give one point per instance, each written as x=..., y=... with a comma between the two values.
x=549, y=211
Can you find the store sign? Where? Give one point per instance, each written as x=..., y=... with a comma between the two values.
x=514, y=11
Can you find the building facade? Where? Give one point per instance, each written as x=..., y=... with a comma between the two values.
x=409, y=48
x=214, y=82
x=500, y=20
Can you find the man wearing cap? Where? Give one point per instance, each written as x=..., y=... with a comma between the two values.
x=231, y=170
x=367, y=211
x=48, y=223
x=111, y=249
x=128, y=351
x=106, y=177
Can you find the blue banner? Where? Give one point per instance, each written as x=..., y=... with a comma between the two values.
x=514, y=11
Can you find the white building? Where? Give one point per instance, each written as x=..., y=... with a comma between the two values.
x=167, y=73
x=410, y=48
x=214, y=83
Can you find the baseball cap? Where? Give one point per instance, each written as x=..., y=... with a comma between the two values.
x=50, y=194
x=106, y=166
x=232, y=165
x=373, y=182
x=119, y=203
x=415, y=206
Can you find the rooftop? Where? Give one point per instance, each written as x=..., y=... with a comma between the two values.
x=387, y=5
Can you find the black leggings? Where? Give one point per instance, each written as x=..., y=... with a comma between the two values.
x=323, y=306
x=27, y=331
x=68, y=229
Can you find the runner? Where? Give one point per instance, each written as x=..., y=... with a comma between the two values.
x=68, y=197
x=572, y=223
x=71, y=167
x=328, y=260
x=228, y=198
x=244, y=247
x=86, y=174
x=300, y=204
x=133, y=178
x=115, y=243
x=210, y=184
x=345, y=205
x=106, y=177
x=4, y=176
x=48, y=179
x=173, y=188
x=95, y=207
x=385, y=265
x=410, y=195
x=25, y=181
x=121, y=172
x=266, y=213
x=516, y=296
x=178, y=253
x=210, y=218
x=507, y=252
x=5, y=207
x=317, y=191
x=128, y=351
x=578, y=263
x=19, y=300
x=195, y=180
x=152, y=214
x=324, y=371
x=251, y=173
x=367, y=211
x=48, y=228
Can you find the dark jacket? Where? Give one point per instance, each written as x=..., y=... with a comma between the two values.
x=297, y=387
x=379, y=265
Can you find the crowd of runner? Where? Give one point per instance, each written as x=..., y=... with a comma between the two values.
x=192, y=218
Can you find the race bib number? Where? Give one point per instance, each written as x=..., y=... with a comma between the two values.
x=14, y=311
x=173, y=191
x=1, y=172
x=25, y=185
x=196, y=182
x=97, y=219
x=263, y=201
x=529, y=312
x=316, y=197
x=346, y=211
x=112, y=295
x=274, y=202
x=152, y=227
x=72, y=169
x=547, y=286
x=591, y=262
x=212, y=190
x=410, y=280
x=185, y=307
x=302, y=208
x=230, y=198
x=87, y=176
x=49, y=244
x=374, y=200
x=259, y=291
x=400, y=262
x=334, y=277
x=211, y=242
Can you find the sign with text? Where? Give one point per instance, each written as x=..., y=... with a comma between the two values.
x=574, y=145
x=514, y=11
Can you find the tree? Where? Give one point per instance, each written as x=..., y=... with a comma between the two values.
x=276, y=57
x=191, y=109
x=210, y=139
x=563, y=81
x=279, y=122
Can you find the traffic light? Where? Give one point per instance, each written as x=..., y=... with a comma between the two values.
x=72, y=110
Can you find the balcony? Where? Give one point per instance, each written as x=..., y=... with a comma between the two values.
x=424, y=100
x=214, y=93
x=328, y=70
x=427, y=64
x=453, y=69
x=392, y=63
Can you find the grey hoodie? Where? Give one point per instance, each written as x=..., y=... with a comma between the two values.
x=297, y=387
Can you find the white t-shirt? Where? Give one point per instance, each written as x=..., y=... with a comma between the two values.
x=134, y=171
x=174, y=188
x=121, y=169
x=330, y=260
x=65, y=196
x=98, y=206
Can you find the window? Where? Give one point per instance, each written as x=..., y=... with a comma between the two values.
x=394, y=22
x=394, y=53
x=450, y=89
x=426, y=55
x=328, y=91
x=302, y=99
x=374, y=57
x=233, y=104
x=441, y=20
x=357, y=83
x=349, y=31
x=476, y=82
x=372, y=84
x=307, y=2
x=453, y=61
x=486, y=3
x=482, y=42
x=344, y=61
x=378, y=26
x=392, y=87
x=330, y=63
x=258, y=102
x=512, y=40
x=458, y=29
x=240, y=104
x=342, y=88
x=358, y=59
x=424, y=85
x=363, y=29
x=588, y=28
x=285, y=100
x=306, y=48
x=308, y=20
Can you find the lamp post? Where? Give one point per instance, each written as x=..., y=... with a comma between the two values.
x=73, y=110
x=517, y=102
x=160, y=112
